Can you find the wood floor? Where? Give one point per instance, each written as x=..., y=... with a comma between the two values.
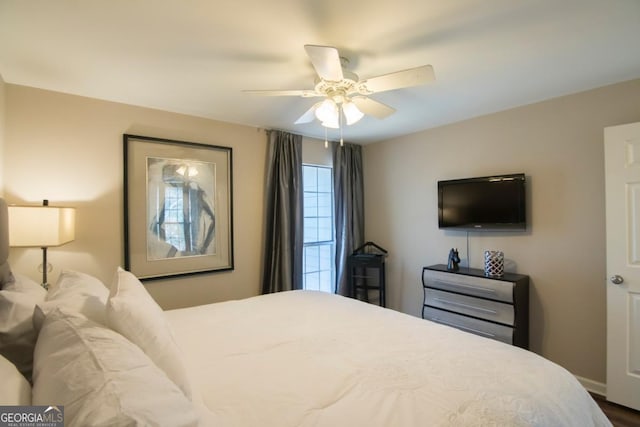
x=619, y=416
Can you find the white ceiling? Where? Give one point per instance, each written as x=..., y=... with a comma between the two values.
x=196, y=56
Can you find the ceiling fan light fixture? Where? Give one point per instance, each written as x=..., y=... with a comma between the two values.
x=327, y=111
x=351, y=112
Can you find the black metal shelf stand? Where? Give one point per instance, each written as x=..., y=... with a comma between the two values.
x=366, y=273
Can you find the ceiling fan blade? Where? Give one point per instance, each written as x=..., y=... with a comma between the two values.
x=326, y=61
x=400, y=79
x=372, y=107
x=309, y=115
x=305, y=93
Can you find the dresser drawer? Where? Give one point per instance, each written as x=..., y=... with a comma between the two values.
x=478, y=286
x=468, y=324
x=471, y=306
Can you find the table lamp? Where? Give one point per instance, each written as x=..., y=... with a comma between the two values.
x=41, y=226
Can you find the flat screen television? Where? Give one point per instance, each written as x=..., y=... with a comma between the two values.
x=489, y=203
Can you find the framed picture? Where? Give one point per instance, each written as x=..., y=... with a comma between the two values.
x=177, y=207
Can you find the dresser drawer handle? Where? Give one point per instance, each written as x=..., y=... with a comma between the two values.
x=476, y=331
x=469, y=306
x=475, y=288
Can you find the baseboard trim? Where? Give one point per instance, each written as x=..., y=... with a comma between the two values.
x=593, y=386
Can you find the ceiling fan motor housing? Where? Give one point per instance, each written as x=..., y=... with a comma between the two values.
x=339, y=90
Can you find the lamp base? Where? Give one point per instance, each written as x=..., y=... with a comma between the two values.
x=45, y=269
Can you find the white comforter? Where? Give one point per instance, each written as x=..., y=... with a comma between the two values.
x=314, y=359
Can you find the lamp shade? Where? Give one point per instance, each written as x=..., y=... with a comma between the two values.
x=351, y=112
x=327, y=111
x=41, y=226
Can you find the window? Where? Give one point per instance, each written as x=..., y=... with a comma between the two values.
x=318, y=260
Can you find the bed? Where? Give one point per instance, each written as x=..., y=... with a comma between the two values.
x=108, y=355
x=306, y=358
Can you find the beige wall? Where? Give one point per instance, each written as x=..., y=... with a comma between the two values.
x=314, y=152
x=558, y=144
x=68, y=149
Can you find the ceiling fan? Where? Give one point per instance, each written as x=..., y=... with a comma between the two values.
x=344, y=92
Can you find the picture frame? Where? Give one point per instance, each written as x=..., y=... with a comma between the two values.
x=178, y=207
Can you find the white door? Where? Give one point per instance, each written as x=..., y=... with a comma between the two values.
x=622, y=187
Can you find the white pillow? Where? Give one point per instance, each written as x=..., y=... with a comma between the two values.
x=101, y=378
x=132, y=312
x=15, y=389
x=75, y=292
x=17, y=335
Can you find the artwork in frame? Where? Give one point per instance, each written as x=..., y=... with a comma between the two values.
x=177, y=207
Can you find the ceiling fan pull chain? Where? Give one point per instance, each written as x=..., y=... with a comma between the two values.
x=326, y=143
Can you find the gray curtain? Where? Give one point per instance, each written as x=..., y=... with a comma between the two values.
x=348, y=191
x=284, y=214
